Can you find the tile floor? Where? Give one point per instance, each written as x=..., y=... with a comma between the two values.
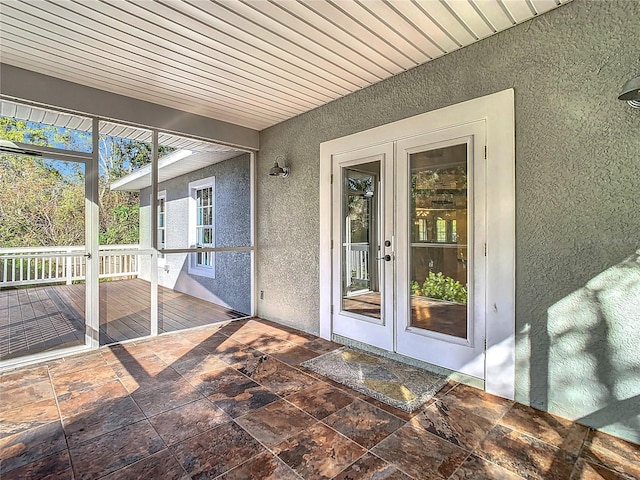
x=230, y=402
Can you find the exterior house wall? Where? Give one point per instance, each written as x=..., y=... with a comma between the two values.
x=577, y=184
x=231, y=286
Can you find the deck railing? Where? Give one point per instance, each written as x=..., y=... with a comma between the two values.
x=357, y=263
x=39, y=265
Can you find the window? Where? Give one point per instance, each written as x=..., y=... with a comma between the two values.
x=202, y=226
x=162, y=230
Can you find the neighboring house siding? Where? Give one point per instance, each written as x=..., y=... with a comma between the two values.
x=231, y=286
x=577, y=181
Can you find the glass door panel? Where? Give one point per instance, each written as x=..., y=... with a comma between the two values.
x=42, y=255
x=360, y=240
x=438, y=257
x=363, y=254
x=441, y=232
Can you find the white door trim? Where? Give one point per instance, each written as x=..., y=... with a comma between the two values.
x=498, y=111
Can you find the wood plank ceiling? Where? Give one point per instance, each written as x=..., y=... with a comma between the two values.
x=253, y=63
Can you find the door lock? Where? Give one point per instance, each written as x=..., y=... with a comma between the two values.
x=386, y=258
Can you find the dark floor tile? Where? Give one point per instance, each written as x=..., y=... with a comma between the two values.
x=83, y=361
x=239, y=397
x=264, y=466
x=256, y=338
x=526, y=456
x=153, y=401
x=187, y=353
x=613, y=453
x=279, y=377
x=216, y=451
x=64, y=382
x=53, y=467
x=161, y=465
x=23, y=377
x=30, y=445
x=453, y=424
x=296, y=337
x=229, y=351
x=194, y=366
x=188, y=420
x=420, y=454
x=19, y=396
x=117, y=449
x=321, y=400
x=476, y=468
x=112, y=415
x=559, y=432
x=585, y=470
x=295, y=355
x=371, y=467
x=73, y=403
x=363, y=423
x=136, y=378
x=127, y=352
x=275, y=422
x=603, y=442
x=318, y=452
x=321, y=345
x=28, y=416
x=477, y=402
x=214, y=381
x=404, y=415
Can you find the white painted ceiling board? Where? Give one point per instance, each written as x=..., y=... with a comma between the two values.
x=253, y=63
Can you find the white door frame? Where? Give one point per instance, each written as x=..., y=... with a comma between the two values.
x=376, y=332
x=497, y=110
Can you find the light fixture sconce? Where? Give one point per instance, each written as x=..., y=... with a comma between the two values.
x=631, y=92
x=277, y=170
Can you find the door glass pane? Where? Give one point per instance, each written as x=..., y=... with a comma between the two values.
x=42, y=261
x=361, y=271
x=439, y=237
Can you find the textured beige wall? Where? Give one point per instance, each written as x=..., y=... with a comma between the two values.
x=577, y=180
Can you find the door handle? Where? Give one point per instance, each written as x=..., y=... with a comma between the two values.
x=386, y=258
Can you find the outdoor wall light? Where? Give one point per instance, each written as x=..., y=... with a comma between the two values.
x=277, y=170
x=631, y=92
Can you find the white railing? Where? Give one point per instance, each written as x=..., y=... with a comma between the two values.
x=357, y=262
x=39, y=265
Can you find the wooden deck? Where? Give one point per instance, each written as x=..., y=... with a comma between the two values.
x=45, y=318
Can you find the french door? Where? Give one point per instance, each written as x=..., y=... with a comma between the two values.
x=409, y=235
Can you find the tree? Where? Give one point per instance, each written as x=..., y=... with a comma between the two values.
x=42, y=201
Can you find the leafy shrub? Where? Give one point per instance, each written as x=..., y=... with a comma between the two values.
x=441, y=287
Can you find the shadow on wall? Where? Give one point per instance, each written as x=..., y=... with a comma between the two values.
x=593, y=347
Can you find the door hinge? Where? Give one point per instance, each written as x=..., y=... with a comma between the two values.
x=485, y=344
x=331, y=244
x=331, y=309
x=485, y=249
x=485, y=152
x=332, y=179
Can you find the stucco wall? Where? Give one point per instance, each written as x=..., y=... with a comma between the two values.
x=231, y=286
x=577, y=181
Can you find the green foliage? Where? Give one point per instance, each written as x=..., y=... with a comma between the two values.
x=42, y=201
x=441, y=287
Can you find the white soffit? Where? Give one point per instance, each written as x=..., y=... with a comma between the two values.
x=253, y=63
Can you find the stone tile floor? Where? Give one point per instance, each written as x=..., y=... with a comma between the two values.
x=231, y=402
